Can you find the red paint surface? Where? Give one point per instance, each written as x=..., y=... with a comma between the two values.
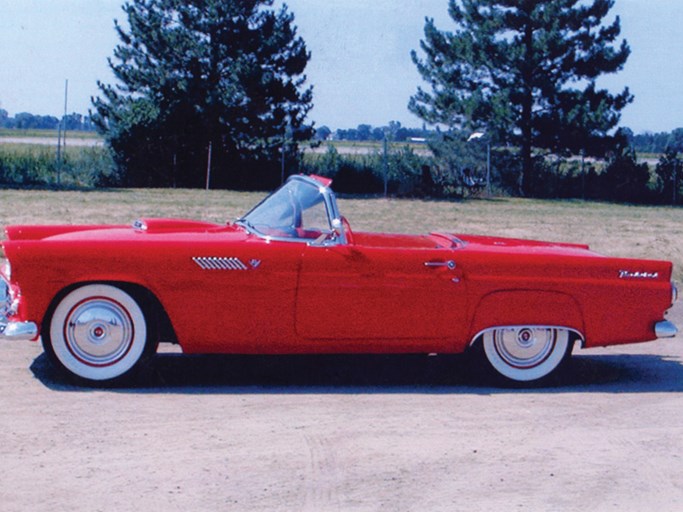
x=374, y=295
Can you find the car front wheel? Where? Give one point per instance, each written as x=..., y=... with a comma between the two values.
x=526, y=353
x=96, y=333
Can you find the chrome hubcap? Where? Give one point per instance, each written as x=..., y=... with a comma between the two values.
x=99, y=332
x=524, y=347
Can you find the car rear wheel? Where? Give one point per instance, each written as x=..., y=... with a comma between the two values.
x=526, y=353
x=97, y=333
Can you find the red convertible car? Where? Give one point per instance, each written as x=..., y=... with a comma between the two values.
x=292, y=277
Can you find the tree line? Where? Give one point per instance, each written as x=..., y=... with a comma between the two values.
x=218, y=87
x=657, y=143
x=644, y=142
x=28, y=121
x=393, y=131
x=214, y=93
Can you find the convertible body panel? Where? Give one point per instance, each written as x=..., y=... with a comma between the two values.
x=381, y=284
x=311, y=285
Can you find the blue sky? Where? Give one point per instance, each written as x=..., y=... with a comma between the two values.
x=361, y=68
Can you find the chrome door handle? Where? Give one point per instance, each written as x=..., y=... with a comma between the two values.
x=450, y=264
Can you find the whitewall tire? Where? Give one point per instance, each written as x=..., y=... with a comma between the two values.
x=97, y=333
x=526, y=353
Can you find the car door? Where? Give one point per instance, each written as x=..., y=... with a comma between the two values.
x=235, y=296
x=355, y=292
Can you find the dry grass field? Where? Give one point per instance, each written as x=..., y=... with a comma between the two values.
x=361, y=433
x=615, y=230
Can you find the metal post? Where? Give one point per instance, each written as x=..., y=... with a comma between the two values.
x=282, y=157
x=208, y=166
x=583, y=173
x=675, y=176
x=59, y=143
x=61, y=140
x=488, y=168
x=286, y=134
x=386, y=165
x=66, y=95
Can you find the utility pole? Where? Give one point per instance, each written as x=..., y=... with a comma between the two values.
x=66, y=97
x=62, y=141
x=386, y=164
x=59, y=143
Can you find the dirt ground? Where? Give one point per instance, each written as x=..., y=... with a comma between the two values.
x=403, y=433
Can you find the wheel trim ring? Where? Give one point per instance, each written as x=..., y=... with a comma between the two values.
x=503, y=348
x=75, y=348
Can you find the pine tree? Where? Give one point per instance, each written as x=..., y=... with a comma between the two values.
x=525, y=70
x=200, y=74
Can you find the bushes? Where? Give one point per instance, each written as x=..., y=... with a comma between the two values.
x=462, y=173
x=401, y=171
x=32, y=167
x=404, y=172
x=619, y=179
x=37, y=166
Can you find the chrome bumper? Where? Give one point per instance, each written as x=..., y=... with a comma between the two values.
x=665, y=329
x=14, y=331
x=18, y=331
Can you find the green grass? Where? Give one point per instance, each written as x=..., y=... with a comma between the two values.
x=614, y=230
x=39, y=150
x=70, y=134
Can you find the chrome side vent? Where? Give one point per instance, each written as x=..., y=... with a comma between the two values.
x=219, y=263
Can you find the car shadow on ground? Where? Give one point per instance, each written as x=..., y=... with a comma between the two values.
x=187, y=374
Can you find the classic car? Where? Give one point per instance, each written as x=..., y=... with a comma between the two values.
x=292, y=277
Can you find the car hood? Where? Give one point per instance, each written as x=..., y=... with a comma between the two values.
x=149, y=226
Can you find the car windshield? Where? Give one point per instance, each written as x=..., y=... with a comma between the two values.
x=297, y=210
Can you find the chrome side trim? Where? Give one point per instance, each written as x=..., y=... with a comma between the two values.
x=665, y=329
x=220, y=263
x=482, y=332
x=270, y=238
x=674, y=293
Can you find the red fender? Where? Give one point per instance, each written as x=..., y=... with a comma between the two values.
x=526, y=307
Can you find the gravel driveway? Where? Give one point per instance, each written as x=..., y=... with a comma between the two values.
x=366, y=433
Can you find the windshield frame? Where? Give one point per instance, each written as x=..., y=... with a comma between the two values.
x=336, y=236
